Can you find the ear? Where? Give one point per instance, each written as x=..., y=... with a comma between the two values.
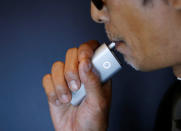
x=175, y=3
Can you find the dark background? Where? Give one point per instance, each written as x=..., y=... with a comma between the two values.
x=33, y=35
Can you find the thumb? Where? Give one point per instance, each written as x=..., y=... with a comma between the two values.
x=91, y=80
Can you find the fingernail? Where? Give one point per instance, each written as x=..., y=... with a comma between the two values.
x=73, y=85
x=65, y=98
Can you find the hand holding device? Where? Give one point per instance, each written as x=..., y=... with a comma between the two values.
x=106, y=63
x=92, y=113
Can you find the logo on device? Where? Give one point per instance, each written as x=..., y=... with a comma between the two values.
x=106, y=65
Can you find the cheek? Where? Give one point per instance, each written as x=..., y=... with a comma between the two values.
x=131, y=24
x=137, y=35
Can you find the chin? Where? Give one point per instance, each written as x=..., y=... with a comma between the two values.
x=139, y=63
x=138, y=66
x=132, y=64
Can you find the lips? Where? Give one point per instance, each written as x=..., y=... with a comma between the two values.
x=119, y=43
x=121, y=47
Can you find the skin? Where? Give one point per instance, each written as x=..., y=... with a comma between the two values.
x=92, y=113
x=152, y=41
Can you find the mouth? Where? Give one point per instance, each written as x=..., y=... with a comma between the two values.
x=119, y=42
x=121, y=46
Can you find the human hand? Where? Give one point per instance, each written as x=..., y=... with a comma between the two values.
x=92, y=113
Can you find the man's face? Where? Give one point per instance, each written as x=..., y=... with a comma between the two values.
x=148, y=31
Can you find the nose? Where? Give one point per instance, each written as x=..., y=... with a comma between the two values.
x=99, y=16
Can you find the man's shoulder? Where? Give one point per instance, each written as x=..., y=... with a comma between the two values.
x=169, y=111
x=176, y=107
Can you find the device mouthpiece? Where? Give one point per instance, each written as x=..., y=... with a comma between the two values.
x=112, y=45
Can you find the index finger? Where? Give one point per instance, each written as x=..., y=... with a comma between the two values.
x=87, y=49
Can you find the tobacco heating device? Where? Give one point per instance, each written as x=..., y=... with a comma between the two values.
x=106, y=63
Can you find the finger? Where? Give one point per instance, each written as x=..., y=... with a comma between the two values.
x=61, y=88
x=86, y=50
x=71, y=69
x=49, y=90
x=90, y=80
x=107, y=87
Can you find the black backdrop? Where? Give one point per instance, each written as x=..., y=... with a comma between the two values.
x=33, y=35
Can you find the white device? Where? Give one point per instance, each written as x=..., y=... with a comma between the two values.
x=106, y=63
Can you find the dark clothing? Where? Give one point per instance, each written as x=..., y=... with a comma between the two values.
x=169, y=111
